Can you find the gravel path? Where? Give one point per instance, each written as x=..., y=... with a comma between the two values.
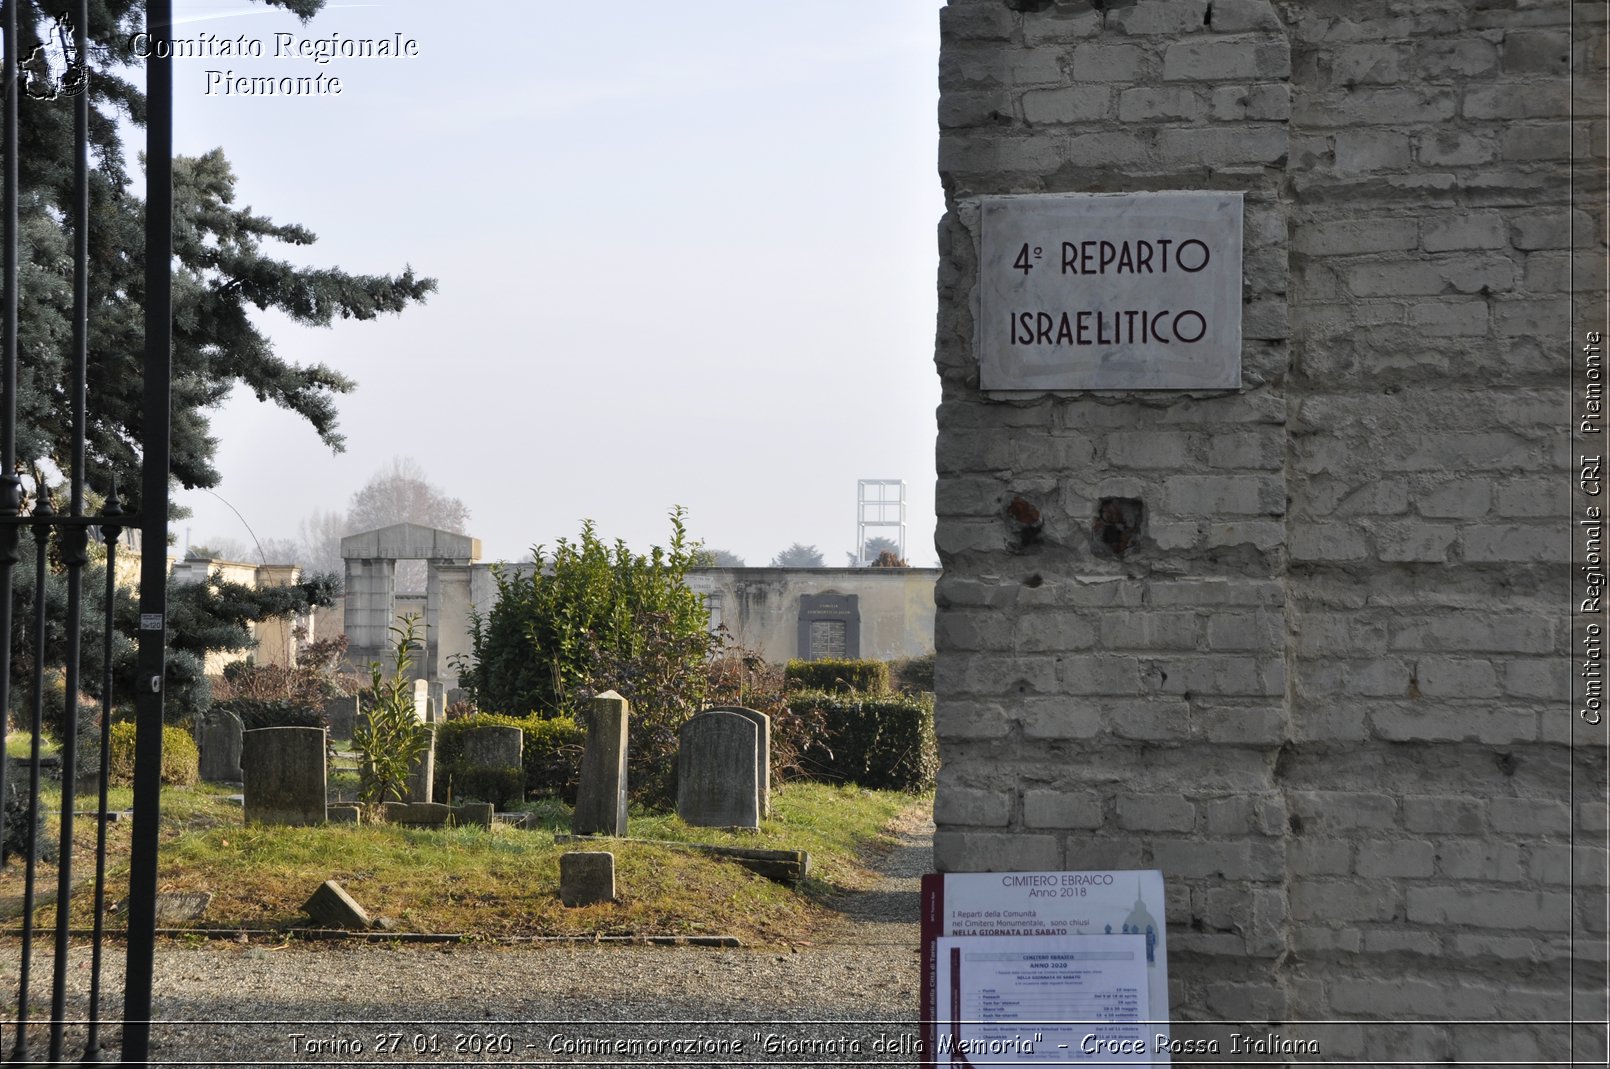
x=850, y=997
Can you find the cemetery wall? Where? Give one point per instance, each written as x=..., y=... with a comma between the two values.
x=1325, y=688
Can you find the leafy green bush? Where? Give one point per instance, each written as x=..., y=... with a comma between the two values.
x=884, y=742
x=181, y=761
x=857, y=677
x=596, y=617
x=272, y=713
x=389, y=736
x=550, y=753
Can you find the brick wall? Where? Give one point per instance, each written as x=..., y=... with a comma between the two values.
x=1326, y=691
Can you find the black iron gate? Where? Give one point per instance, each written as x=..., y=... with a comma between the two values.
x=33, y=534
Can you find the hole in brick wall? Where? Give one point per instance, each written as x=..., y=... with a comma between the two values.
x=1508, y=763
x=1034, y=580
x=1117, y=525
x=1024, y=524
x=1207, y=16
x=1295, y=823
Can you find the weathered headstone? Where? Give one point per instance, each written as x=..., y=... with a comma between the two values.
x=493, y=747
x=586, y=877
x=716, y=771
x=422, y=709
x=341, y=713
x=284, y=775
x=601, y=792
x=762, y=724
x=489, y=766
x=218, y=741
x=438, y=699
x=422, y=773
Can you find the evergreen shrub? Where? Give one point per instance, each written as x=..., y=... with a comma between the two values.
x=884, y=742
x=856, y=677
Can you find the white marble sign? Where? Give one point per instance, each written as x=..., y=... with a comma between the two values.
x=1110, y=291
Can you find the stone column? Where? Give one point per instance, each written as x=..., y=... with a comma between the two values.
x=371, y=584
x=601, y=796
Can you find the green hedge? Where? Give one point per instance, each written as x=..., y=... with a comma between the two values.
x=884, y=742
x=550, y=751
x=858, y=677
x=181, y=761
x=272, y=713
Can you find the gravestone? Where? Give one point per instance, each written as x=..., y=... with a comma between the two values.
x=218, y=740
x=718, y=757
x=586, y=877
x=489, y=766
x=331, y=907
x=762, y=724
x=601, y=792
x=422, y=709
x=438, y=699
x=493, y=747
x=341, y=713
x=422, y=773
x=284, y=775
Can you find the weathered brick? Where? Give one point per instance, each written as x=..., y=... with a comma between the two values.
x=1107, y=63
x=978, y=808
x=1379, y=64
x=1327, y=542
x=1398, y=998
x=1530, y=816
x=1537, y=51
x=1081, y=103
x=1453, y=148
x=1150, y=449
x=1146, y=103
x=1343, y=237
x=1239, y=16
x=1503, y=909
x=1155, y=812
x=1412, y=857
x=1477, y=230
x=972, y=851
x=1462, y=859
x=1061, y=809
x=1455, y=677
x=1343, y=900
x=1060, y=718
x=1181, y=16
x=1432, y=277
x=1218, y=145
x=1445, y=814
x=1367, y=151
x=1210, y=494
x=1151, y=630
x=1415, y=542
x=1320, y=811
x=1523, y=100
x=1535, y=141
x=1245, y=631
x=1515, y=543
x=1225, y=58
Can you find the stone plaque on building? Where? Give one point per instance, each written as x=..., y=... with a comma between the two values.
x=1110, y=291
x=829, y=627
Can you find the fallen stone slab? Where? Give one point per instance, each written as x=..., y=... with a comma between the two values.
x=779, y=866
x=437, y=814
x=332, y=907
x=176, y=907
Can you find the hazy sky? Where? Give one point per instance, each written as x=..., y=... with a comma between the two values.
x=686, y=255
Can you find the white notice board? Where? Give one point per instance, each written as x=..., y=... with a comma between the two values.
x=1004, y=952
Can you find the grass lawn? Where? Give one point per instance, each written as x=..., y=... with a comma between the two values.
x=489, y=884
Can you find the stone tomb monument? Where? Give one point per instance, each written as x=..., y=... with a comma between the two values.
x=284, y=775
x=218, y=740
x=717, y=772
x=601, y=793
x=490, y=766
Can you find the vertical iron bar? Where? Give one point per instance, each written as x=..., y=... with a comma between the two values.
x=153, y=509
x=92, y=1044
x=74, y=537
x=31, y=813
x=8, y=387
